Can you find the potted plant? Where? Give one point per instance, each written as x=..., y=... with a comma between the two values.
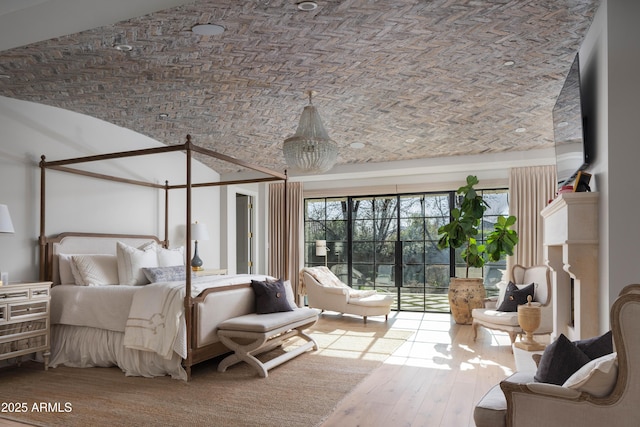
x=465, y=294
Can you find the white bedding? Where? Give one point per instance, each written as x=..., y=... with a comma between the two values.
x=135, y=314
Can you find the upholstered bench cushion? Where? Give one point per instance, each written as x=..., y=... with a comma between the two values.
x=377, y=300
x=507, y=318
x=491, y=411
x=269, y=322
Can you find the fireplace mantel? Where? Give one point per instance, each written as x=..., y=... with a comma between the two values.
x=571, y=252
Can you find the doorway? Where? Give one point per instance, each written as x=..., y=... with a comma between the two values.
x=244, y=234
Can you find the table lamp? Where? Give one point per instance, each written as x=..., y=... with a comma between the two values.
x=198, y=232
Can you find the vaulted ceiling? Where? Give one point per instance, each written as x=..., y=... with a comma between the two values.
x=409, y=79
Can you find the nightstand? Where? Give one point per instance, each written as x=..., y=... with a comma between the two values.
x=24, y=320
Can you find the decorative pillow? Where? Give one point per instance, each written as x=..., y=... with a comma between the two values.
x=597, y=377
x=271, y=296
x=64, y=269
x=165, y=274
x=170, y=257
x=94, y=269
x=289, y=291
x=559, y=361
x=515, y=296
x=597, y=346
x=132, y=260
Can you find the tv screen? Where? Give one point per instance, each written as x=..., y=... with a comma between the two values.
x=572, y=151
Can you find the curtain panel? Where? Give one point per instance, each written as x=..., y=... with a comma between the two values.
x=531, y=188
x=287, y=251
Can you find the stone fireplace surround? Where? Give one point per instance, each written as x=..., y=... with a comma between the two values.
x=571, y=252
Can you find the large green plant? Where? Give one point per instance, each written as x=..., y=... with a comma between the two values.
x=463, y=229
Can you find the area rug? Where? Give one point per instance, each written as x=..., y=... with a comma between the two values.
x=301, y=392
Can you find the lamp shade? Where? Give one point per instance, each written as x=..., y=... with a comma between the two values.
x=6, y=226
x=199, y=231
x=321, y=248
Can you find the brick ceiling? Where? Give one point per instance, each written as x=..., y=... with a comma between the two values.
x=410, y=79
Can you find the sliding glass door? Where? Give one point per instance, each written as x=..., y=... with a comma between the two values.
x=389, y=243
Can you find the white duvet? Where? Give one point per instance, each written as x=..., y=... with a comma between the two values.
x=151, y=317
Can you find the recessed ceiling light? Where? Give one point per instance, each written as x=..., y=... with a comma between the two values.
x=356, y=145
x=124, y=47
x=307, y=5
x=208, y=29
x=521, y=130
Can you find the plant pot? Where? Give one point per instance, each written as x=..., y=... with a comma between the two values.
x=464, y=296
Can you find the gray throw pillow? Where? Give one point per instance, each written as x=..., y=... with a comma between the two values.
x=597, y=346
x=514, y=296
x=165, y=274
x=560, y=360
x=271, y=296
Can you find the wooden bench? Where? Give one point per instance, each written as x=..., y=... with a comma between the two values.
x=253, y=334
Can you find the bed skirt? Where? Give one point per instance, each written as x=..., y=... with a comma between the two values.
x=85, y=347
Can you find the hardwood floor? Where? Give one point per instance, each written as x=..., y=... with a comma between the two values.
x=434, y=379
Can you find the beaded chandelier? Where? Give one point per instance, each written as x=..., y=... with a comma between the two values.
x=310, y=149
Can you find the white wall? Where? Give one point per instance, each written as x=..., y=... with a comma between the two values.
x=623, y=148
x=76, y=203
x=610, y=58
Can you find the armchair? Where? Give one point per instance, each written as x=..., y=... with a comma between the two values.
x=490, y=318
x=326, y=292
x=551, y=405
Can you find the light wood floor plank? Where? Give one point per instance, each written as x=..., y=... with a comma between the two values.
x=434, y=380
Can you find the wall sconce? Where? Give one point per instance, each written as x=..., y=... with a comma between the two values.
x=322, y=249
x=198, y=232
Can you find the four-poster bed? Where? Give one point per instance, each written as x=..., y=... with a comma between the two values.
x=207, y=300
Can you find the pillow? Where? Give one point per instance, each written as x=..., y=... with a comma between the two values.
x=516, y=295
x=271, y=296
x=132, y=260
x=94, y=269
x=165, y=274
x=597, y=346
x=170, y=257
x=559, y=361
x=64, y=269
x=290, y=295
x=597, y=377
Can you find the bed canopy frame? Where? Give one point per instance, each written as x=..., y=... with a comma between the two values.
x=189, y=149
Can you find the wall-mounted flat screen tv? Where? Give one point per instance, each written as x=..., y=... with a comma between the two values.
x=573, y=152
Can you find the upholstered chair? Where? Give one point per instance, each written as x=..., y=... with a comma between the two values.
x=540, y=404
x=491, y=318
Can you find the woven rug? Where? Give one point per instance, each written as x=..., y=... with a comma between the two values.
x=301, y=392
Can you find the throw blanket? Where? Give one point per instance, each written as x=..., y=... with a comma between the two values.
x=326, y=278
x=155, y=318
